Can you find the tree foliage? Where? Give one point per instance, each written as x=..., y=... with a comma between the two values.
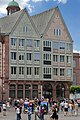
x=74, y=89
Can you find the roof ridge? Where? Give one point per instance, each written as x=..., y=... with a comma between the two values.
x=44, y=11
x=12, y=14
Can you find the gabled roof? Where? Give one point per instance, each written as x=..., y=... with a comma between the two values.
x=41, y=20
x=7, y=23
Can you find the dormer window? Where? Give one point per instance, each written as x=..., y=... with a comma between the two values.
x=25, y=29
x=57, y=31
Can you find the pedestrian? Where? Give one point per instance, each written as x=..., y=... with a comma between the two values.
x=66, y=108
x=70, y=108
x=20, y=109
x=36, y=111
x=8, y=105
x=18, y=112
x=54, y=114
x=41, y=113
x=29, y=112
x=4, y=109
x=62, y=106
x=51, y=102
x=76, y=108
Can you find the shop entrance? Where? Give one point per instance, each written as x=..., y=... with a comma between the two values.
x=60, y=91
x=47, y=90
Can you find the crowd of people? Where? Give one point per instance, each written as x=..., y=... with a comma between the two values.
x=70, y=107
x=39, y=108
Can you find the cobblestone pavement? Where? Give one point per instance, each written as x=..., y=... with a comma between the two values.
x=11, y=115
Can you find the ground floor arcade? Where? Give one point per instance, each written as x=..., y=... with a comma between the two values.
x=32, y=89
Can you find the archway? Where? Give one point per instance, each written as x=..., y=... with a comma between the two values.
x=60, y=91
x=47, y=90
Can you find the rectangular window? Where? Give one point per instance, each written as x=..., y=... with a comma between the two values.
x=12, y=87
x=13, y=41
x=57, y=32
x=47, y=43
x=74, y=64
x=13, y=55
x=25, y=29
x=61, y=58
x=62, y=71
x=34, y=93
x=13, y=70
x=47, y=56
x=29, y=43
x=69, y=47
x=55, y=71
x=35, y=87
x=47, y=70
x=74, y=78
x=55, y=58
x=36, y=71
x=21, y=56
x=37, y=43
x=37, y=56
x=55, y=45
x=47, y=73
x=62, y=45
x=12, y=91
x=69, y=72
x=21, y=70
x=21, y=42
x=20, y=87
x=29, y=56
x=69, y=59
x=29, y=70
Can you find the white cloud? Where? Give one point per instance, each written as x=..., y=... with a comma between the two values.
x=4, y=4
x=36, y=0
x=62, y=1
x=76, y=51
x=23, y=4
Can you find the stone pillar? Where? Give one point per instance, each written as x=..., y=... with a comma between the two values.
x=16, y=90
x=23, y=90
x=31, y=91
x=54, y=92
x=39, y=91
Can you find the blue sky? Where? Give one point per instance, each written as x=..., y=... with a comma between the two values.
x=70, y=10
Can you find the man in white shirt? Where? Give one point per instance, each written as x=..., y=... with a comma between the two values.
x=4, y=109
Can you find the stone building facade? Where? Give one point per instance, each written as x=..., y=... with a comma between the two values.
x=76, y=68
x=37, y=55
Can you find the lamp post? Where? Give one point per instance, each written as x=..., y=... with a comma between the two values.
x=63, y=92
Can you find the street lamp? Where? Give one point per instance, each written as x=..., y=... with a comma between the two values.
x=63, y=92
